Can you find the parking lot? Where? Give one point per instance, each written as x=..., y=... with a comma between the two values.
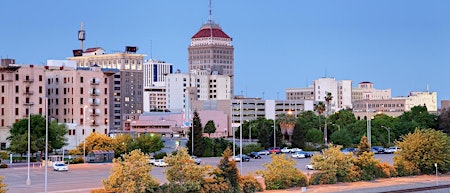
x=83, y=177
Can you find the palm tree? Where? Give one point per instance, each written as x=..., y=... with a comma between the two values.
x=319, y=108
x=328, y=99
x=287, y=124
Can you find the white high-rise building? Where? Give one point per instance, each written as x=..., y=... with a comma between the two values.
x=366, y=91
x=340, y=90
x=155, y=72
x=197, y=85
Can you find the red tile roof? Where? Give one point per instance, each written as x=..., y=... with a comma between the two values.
x=206, y=32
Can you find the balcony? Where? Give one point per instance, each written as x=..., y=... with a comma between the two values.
x=29, y=80
x=95, y=112
x=94, y=81
x=94, y=102
x=94, y=123
x=94, y=92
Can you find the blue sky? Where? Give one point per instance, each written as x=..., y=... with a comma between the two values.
x=399, y=44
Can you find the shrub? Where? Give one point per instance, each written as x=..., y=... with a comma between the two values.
x=405, y=168
x=333, y=160
x=213, y=185
x=326, y=177
x=99, y=191
x=281, y=173
x=2, y=186
x=178, y=188
x=77, y=160
x=367, y=165
x=3, y=166
x=250, y=148
x=249, y=184
x=160, y=155
x=384, y=170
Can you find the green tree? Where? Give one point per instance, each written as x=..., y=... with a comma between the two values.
x=132, y=174
x=2, y=186
x=287, y=123
x=56, y=135
x=265, y=130
x=149, y=143
x=418, y=117
x=299, y=136
x=341, y=137
x=227, y=171
x=319, y=108
x=444, y=121
x=183, y=171
x=281, y=173
x=423, y=149
x=199, y=147
x=210, y=127
x=314, y=135
x=328, y=99
x=122, y=144
x=3, y=156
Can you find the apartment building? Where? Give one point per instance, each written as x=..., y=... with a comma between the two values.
x=78, y=98
x=22, y=92
x=127, y=93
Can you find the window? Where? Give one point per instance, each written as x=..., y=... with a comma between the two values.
x=17, y=76
x=17, y=111
x=3, y=88
x=81, y=90
x=40, y=78
x=17, y=89
x=40, y=89
x=17, y=100
x=81, y=80
x=3, y=100
x=106, y=90
x=81, y=101
x=106, y=101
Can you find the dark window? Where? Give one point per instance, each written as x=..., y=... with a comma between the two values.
x=40, y=89
x=81, y=90
x=40, y=78
x=81, y=79
x=17, y=89
x=17, y=100
x=17, y=77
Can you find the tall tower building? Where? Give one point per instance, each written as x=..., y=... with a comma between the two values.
x=211, y=50
x=155, y=72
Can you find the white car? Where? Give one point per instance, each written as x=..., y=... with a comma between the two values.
x=298, y=155
x=293, y=150
x=264, y=152
x=285, y=150
x=60, y=167
x=235, y=158
x=196, y=160
x=392, y=149
x=160, y=163
x=152, y=161
x=309, y=167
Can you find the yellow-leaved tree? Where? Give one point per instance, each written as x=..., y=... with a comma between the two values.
x=2, y=186
x=281, y=173
x=132, y=174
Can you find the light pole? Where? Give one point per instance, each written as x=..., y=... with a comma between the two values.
x=250, y=132
x=28, y=157
x=84, y=129
x=240, y=138
x=46, y=143
x=389, y=134
x=274, y=130
x=369, y=124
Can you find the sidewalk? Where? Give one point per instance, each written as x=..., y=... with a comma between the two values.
x=380, y=185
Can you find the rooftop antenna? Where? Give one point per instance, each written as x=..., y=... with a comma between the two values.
x=428, y=88
x=326, y=73
x=210, y=19
x=81, y=35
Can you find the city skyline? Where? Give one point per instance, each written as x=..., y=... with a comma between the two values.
x=400, y=45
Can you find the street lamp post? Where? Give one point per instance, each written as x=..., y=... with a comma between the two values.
x=84, y=129
x=274, y=130
x=28, y=154
x=46, y=144
x=240, y=138
x=369, y=124
x=389, y=134
x=250, y=132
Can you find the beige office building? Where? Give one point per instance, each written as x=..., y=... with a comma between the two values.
x=366, y=91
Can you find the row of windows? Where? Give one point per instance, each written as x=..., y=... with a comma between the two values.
x=27, y=78
x=70, y=80
x=72, y=131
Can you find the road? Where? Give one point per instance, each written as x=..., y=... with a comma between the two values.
x=84, y=177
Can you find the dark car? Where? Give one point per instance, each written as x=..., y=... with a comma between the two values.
x=378, y=149
x=244, y=158
x=254, y=155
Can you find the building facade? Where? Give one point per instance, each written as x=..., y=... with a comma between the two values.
x=127, y=94
x=366, y=91
x=300, y=93
x=155, y=73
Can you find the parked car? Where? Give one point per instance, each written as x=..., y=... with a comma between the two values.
x=244, y=158
x=285, y=150
x=196, y=160
x=234, y=158
x=274, y=150
x=264, y=152
x=307, y=154
x=60, y=167
x=392, y=149
x=160, y=163
x=379, y=149
x=293, y=150
x=254, y=155
x=309, y=167
x=152, y=161
x=298, y=155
